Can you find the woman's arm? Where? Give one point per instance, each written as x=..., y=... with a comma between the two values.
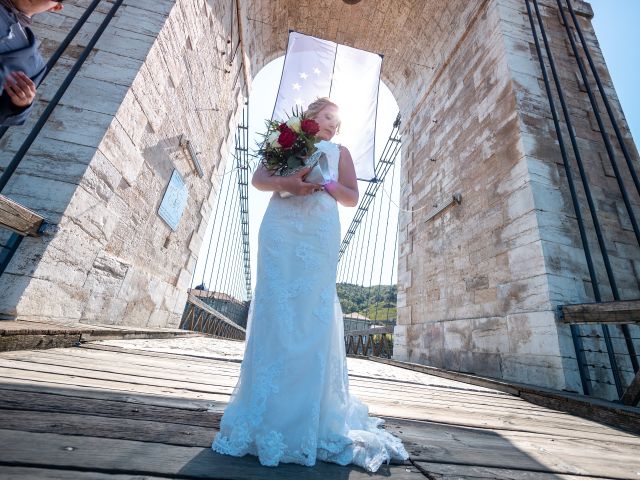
x=266, y=181
x=345, y=190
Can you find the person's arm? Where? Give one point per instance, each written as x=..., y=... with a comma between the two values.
x=266, y=181
x=16, y=100
x=345, y=190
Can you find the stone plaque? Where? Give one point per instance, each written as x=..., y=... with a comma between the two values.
x=174, y=201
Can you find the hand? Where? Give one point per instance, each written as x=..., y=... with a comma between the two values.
x=295, y=184
x=20, y=88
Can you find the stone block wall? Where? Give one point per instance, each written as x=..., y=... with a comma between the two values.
x=479, y=285
x=473, y=293
x=568, y=277
x=100, y=167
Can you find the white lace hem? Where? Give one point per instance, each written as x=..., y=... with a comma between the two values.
x=368, y=448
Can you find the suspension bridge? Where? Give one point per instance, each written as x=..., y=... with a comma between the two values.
x=505, y=346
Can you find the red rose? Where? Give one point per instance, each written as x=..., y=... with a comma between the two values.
x=287, y=137
x=282, y=126
x=310, y=126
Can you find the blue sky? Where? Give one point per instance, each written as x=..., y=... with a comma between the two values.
x=616, y=26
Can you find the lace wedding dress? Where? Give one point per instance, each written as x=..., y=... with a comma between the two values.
x=292, y=401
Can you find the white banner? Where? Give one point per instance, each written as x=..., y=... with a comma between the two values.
x=350, y=77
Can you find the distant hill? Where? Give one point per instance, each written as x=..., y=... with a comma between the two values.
x=377, y=302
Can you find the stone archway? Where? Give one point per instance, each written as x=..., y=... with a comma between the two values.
x=478, y=285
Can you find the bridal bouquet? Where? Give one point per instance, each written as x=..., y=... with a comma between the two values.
x=289, y=146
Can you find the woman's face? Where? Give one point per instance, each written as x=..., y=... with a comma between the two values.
x=328, y=121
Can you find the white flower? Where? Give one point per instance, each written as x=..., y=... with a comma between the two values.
x=294, y=124
x=272, y=139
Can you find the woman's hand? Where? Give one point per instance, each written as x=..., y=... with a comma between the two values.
x=345, y=190
x=20, y=88
x=294, y=184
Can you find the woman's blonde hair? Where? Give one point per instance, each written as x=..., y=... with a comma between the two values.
x=316, y=107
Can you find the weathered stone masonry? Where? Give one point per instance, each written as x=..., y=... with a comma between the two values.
x=161, y=70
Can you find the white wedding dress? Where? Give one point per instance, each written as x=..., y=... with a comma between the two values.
x=292, y=401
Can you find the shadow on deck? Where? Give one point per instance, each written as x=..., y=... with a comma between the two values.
x=150, y=408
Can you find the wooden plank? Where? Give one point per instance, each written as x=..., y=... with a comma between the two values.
x=22, y=473
x=460, y=415
x=155, y=373
x=373, y=393
x=20, y=335
x=371, y=390
x=104, y=406
x=431, y=442
x=145, y=458
x=541, y=419
x=456, y=376
x=428, y=404
x=43, y=341
x=595, y=409
x=631, y=396
x=374, y=388
x=28, y=327
x=134, y=335
x=429, y=380
x=507, y=432
x=157, y=430
x=605, y=312
x=21, y=377
x=19, y=219
x=74, y=391
x=10, y=343
x=470, y=447
x=164, y=429
x=82, y=355
x=216, y=385
x=447, y=471
x=151, y=353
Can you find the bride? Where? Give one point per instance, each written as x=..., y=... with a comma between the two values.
x=292, y=401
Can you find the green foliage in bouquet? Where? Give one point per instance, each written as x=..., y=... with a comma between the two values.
x=286, y=145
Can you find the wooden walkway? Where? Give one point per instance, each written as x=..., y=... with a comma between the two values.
x=148, y=409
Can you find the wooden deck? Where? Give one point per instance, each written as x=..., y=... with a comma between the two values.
x=124, y=409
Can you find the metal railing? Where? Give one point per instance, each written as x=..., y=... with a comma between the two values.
x=200, y=317
x=373, y=342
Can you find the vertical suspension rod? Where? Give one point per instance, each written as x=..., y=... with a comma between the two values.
x=592, y=210
x=614, y=164
x=605, y=98
x=575, y=332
